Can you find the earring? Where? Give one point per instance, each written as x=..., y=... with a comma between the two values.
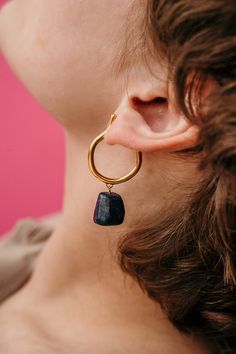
x=109, y=209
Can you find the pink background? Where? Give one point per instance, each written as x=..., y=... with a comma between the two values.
x=31, y=154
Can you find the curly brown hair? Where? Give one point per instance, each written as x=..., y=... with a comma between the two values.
x=187, y=262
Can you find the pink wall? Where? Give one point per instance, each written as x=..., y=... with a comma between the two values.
x=31, y=154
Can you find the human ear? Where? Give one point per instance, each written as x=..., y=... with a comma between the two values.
x=151, y=124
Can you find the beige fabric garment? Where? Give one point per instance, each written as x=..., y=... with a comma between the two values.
x=19, y=249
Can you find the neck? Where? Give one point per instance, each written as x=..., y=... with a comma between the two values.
x=82, y=255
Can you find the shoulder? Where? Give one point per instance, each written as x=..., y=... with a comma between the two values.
x=19, y=333
x=25, y=238
x=189, y=344
x=178, y=343
x=27, y=329
x=166, y=338
x=31, y=229
x=28, y=232
x=19, y=249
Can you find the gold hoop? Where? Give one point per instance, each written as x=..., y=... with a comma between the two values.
x=98, y=175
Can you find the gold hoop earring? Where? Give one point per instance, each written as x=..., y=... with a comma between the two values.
x=109, y=209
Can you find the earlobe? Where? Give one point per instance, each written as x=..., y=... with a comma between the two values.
x=133, y=129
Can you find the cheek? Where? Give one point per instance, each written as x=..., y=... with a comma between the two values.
x=60, y=57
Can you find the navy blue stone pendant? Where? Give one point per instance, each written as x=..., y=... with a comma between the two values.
x=109, y=209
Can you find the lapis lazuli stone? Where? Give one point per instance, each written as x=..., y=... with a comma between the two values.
x=109, y=209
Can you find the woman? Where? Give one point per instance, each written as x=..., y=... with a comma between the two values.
x=163, y=281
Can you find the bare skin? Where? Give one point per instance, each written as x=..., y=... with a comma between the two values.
x=78, y=299
x=94, y=325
